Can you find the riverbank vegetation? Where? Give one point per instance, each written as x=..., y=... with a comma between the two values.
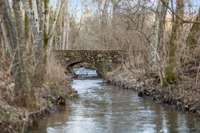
x=161, y=38
x=31, y=80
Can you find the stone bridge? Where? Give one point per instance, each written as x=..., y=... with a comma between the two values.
x=102, y=60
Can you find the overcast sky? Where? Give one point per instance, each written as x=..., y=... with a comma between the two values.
x=74, y=6
x=77, y=9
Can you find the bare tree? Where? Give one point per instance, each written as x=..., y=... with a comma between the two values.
x=66, y=27
x=194, y=34
x=177, y=25
x=159, y=36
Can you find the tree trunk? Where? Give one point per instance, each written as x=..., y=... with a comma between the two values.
x=66, y=27
x=159, y=39
x=170, y=70
x=194, y=34
x=51, y=33
x=7, y=26
x=21, y=79
x=34, y=11
x=103, y=21
x=4, y=40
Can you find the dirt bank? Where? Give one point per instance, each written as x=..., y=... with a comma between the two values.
x=182, y=95
x=16, y=119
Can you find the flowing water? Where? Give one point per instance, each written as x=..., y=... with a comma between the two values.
x=103, y=108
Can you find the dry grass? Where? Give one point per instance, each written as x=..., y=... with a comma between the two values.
x=55, y=72
x=56, y=80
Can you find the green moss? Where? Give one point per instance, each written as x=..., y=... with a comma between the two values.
x=46, y=39
x=170, y=75
x=26, y=27
x=46, y=5
x=101, y=69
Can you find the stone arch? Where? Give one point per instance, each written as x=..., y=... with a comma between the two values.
x=103, y=60
x=70, y=66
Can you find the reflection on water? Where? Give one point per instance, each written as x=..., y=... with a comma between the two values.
x=106, y=109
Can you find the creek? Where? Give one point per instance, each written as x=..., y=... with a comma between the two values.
x=103, y=108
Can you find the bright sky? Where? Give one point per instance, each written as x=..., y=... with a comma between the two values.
x=73, y=3
x=77, y=9
x=74, y=6
x=77, y=3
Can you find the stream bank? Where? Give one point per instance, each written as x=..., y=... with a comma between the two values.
x=16, y=119
x=104, y=108
x=181, y=95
